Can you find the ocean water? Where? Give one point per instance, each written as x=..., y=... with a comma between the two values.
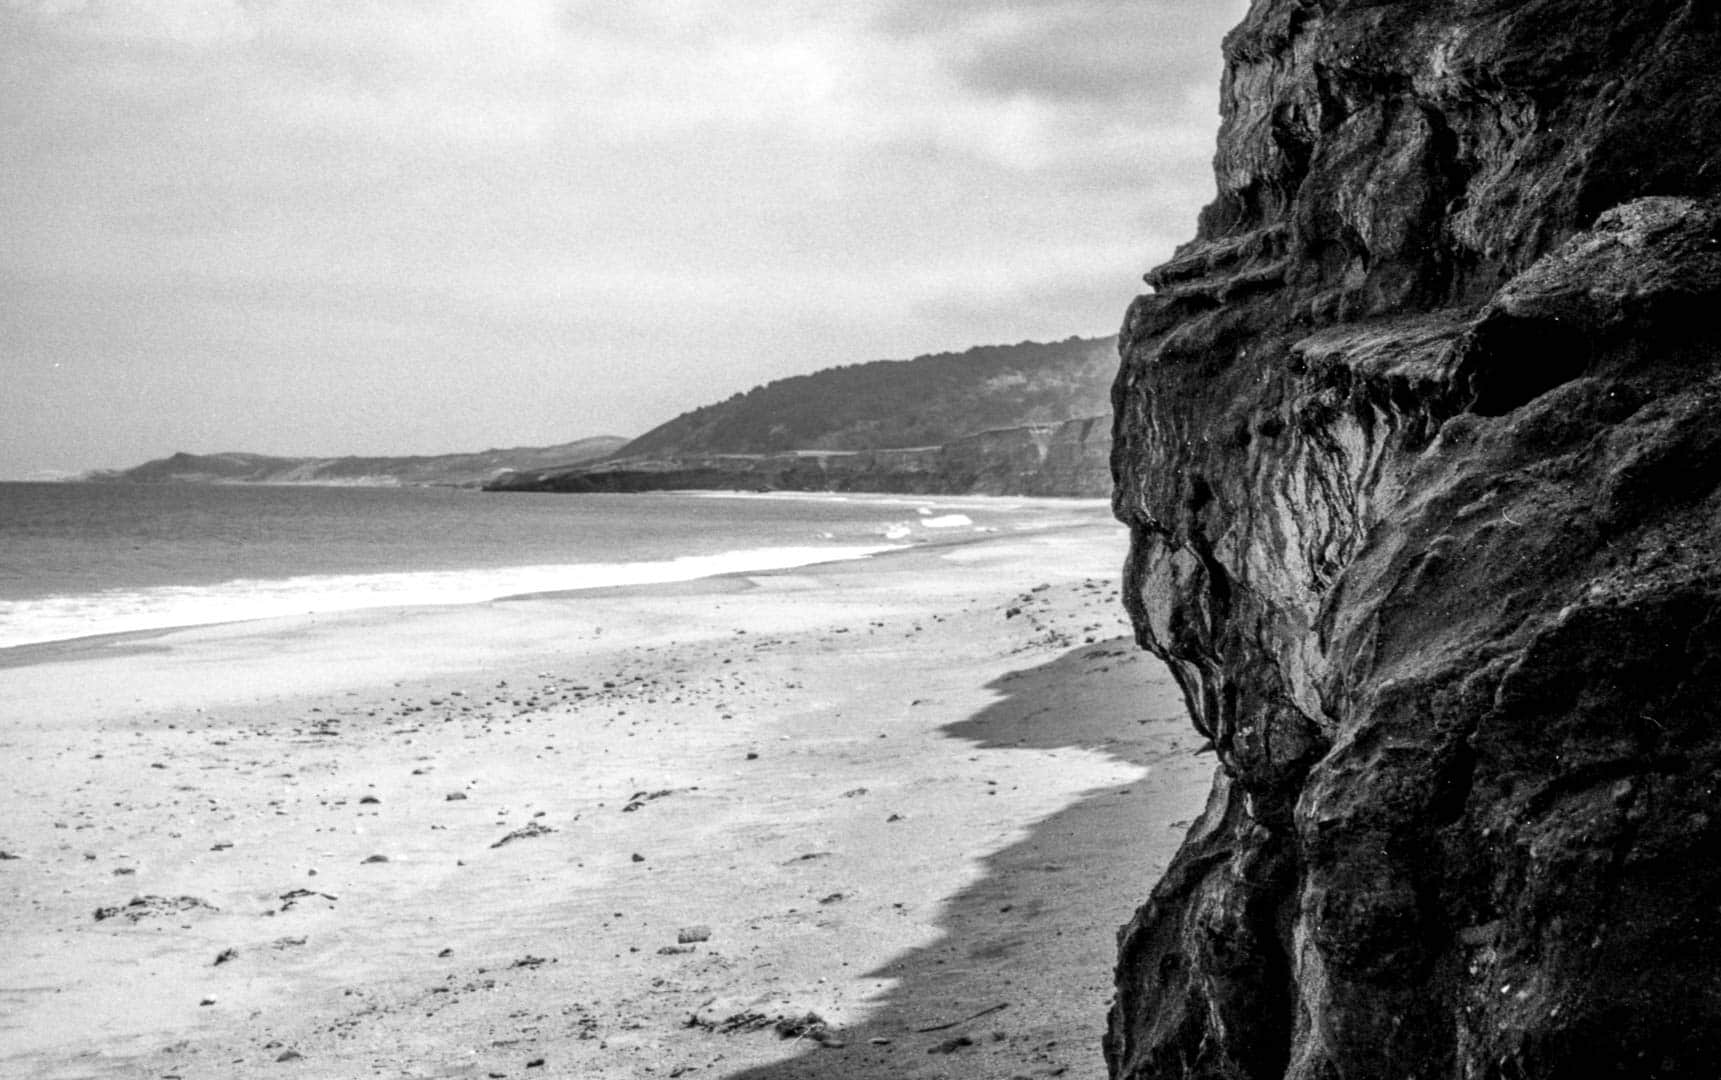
x=78, y=560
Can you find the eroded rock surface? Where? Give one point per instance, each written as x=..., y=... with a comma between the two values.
x=1419, y=443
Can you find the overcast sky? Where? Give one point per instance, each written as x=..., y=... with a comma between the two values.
x=409, y=226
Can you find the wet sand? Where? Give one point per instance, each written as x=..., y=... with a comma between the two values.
x=637, y=833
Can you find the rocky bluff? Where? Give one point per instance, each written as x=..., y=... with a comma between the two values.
x=1418, y=442
x=1065, y=459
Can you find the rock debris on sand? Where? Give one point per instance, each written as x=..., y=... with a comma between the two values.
x=774, y=855
x=528, y=832
x=143, y=907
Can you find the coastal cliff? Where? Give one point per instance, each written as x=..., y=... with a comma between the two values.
x=1066, y=459
x=1418, y=442
x=1022, y=419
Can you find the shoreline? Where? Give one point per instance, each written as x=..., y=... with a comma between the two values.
x=168, y=607
x=883, y=794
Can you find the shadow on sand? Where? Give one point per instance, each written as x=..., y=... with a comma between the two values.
x=1019, y=979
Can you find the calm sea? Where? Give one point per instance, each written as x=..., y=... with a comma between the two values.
x=84, y=559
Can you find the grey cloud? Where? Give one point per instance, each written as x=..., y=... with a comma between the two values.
x=306, y=205
x=1080, y=66
x=916, y=18
x=1088, y=305
x=1073, y=51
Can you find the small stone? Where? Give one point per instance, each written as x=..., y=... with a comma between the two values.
x=376, y=858
x=289, y=1055
x=226, y=955
x=530, y=831
x=454, y=796
x=369, y=799
x=687, y=935
x=637, y=857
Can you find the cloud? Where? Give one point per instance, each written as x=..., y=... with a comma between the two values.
x=193, y=23
x=664, y=197
x=1083, y=61
x=1086, y=91
x=1072, y=51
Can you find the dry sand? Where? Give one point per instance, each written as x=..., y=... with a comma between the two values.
x=913, y=795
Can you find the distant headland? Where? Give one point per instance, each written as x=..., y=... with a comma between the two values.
x=1026, y=419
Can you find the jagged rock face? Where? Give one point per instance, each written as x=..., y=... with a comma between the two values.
x=1419, y=444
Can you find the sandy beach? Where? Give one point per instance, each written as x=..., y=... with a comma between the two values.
x=629, y=833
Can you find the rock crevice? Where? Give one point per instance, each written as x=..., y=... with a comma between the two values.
x=1419, y=443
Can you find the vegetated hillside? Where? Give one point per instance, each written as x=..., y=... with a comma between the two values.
x=1071, y=459
x=443, y=470
x=927, y=401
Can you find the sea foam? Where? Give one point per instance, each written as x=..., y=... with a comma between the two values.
x=115, y=611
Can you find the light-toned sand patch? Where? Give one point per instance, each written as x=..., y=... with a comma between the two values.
x=459, y=842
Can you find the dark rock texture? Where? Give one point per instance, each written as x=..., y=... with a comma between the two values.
x=1419, y=444
x=1066, y=459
